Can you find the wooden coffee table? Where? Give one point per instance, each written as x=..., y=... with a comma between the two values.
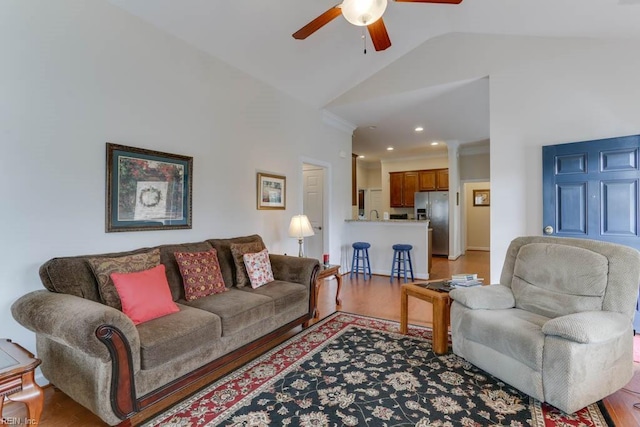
x=441, y=309
x=16, y=380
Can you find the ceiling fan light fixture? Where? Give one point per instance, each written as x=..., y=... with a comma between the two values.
x=363, y=12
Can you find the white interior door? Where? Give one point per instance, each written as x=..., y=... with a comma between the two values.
x=313, y=208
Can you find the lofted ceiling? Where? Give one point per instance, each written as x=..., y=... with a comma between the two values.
x=255, y=36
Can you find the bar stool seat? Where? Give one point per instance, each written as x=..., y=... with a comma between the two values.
x=360, y=259
x=401, y=262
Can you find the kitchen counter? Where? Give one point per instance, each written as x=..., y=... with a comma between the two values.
x=395, y=221
x=382, y=235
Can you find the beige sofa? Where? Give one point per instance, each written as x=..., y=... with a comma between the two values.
x=96, y=355
x=559, y=325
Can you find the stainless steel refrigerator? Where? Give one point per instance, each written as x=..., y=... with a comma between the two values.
x=434, y=206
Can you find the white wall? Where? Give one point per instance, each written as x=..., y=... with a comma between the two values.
x=542, y=91
x=77, y=74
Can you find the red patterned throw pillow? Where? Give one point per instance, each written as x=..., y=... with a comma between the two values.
x=201, y=274
x=145, y=295
x=258, y=268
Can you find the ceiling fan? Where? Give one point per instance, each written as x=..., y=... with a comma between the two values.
x=361, y=13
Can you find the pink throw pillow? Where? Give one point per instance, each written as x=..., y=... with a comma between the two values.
x=145, y=295
x=258, y=268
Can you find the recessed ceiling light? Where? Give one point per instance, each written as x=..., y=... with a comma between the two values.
x=389, y=148
x=361, y=156
x=434, y=143
x=419, y=129
x=372, y=127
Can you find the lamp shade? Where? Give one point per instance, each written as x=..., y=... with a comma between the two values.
x=363, y=12
x=300, y=227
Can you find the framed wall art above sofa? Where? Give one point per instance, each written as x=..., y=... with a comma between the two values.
x=147, y=190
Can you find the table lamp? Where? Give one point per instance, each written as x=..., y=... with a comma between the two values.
x=300, y=227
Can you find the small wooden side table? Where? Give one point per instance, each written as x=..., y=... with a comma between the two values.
x=441, y=312
x=325, y=272
x=17, y=367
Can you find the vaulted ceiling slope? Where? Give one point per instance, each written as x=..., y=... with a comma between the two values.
x=255, y=35
x=328, y=70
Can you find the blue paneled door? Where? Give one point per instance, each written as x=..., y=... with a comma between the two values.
x=590, y=190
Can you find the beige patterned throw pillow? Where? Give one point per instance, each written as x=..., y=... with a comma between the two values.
x=102, y=268
x=258, y=268
x=238, y=250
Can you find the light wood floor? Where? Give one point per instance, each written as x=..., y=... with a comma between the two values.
x=374, y=297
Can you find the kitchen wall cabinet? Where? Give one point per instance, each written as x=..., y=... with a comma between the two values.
x=442, y=179
x=427, y=180
x=354, y=177
x=403, y=185
x=396, y=187
x=409, y=189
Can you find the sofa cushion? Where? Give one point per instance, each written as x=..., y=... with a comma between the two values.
x=285, y=295
x=225, y=257
x=554, y=280
x=165, y=338
x=258, y=268
x=168, y=258
x=144, y=294
x=102, y=268
x=239, y=250
x=512, y=332
x=237, y=309
x=200, y=274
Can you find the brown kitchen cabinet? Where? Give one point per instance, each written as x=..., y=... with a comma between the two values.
x=409, y=189
x=426, y=180
x=404, y=185
x=396, y=187
x=442, y=179
x=402, y=188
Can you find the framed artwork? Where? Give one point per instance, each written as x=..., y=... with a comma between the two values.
x=147, y=190
x=272, y=191
x=481, y=197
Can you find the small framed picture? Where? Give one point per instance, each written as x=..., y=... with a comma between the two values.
x=147, y=190
x=272, y=191
x=481, y=197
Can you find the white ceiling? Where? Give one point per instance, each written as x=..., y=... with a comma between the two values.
x=255, y=36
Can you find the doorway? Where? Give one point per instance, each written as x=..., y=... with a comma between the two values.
x=476, y=217
x=313, y=206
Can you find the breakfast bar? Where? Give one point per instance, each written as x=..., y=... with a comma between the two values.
x=384, y=234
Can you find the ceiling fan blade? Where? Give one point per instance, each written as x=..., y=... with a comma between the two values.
x=430, y=1
x=317, y=23
x=379, y=35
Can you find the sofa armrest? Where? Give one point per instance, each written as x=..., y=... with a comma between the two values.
x=73, y=321
x=587, y=326
x=492, y=297
x=294, y=269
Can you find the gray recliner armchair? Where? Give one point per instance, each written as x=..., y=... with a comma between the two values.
x=558, y=327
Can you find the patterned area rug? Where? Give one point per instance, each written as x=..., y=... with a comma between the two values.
x=351, y=370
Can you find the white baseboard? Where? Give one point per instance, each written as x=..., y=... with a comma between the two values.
x=478, y=248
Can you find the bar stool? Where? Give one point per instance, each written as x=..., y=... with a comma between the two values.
x=401, y=256
x=360, y=256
